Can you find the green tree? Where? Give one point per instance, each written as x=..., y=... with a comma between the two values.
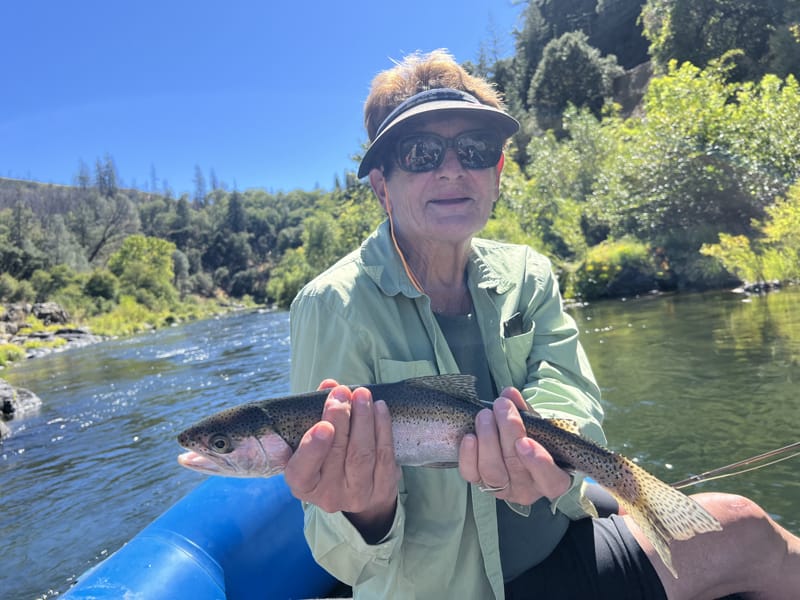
x=530, y=42
x=144, y=266
x=784, y=48
x=59, y=244
x=236, y=216
x=708, y=158
x=102, y=284
x=99, y=223
x=115, y=218
x=106, y=177
x=8, y=286
x=19, y=256
x=618, y=31
x=21, y=225
x=288, y=277
x=83, y=179
x=358, y=214
x=200, y=190
x=321, y=241
x=570, y=72
x=700, y=31
x=180, y=265
x=562, y=178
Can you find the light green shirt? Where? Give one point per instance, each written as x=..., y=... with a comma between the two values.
x=362, y=322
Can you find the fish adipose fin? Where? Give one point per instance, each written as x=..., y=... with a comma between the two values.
x=456, y=385
x=567, y=425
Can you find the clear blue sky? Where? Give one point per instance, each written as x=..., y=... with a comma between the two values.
x=266, y=93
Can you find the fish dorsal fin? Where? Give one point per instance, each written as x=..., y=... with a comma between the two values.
x=457, y=385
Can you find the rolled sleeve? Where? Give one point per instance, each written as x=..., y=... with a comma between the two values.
x=339, y=548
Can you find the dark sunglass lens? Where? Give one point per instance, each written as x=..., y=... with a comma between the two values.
x=420, y=153
x=478, y=149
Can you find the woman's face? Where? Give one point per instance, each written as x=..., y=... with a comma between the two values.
x=446, y=205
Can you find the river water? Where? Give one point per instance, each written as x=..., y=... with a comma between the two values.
x=690, y=382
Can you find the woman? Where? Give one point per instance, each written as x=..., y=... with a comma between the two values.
x=424, y=296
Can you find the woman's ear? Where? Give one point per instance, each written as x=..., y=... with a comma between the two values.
x=500, y=164
x=378, y=183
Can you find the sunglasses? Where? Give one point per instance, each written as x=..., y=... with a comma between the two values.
x=421, y=152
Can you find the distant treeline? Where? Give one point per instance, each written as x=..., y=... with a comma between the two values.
x=660, y=148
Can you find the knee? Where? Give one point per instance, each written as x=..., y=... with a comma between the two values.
x=732, y=509
x=745, y=524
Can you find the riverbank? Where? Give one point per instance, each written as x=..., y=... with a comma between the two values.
x=35, y=330
x=28, y=331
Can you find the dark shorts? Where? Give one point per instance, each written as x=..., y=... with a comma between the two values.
x=598, y=559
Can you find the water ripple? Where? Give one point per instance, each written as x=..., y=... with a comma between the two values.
x=98, y=463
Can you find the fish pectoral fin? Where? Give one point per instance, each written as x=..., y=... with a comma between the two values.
x=588, y=506
x=441, y=465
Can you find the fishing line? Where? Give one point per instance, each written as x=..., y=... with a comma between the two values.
x=721, y=472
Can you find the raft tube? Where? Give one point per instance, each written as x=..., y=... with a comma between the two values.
x=228, y=538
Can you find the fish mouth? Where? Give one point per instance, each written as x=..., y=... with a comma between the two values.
x=197, y=462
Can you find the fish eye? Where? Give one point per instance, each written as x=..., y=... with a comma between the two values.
x=220, y=443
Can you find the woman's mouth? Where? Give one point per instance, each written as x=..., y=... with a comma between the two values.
x=449, y=201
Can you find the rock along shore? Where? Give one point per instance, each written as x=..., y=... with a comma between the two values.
x=16, y=330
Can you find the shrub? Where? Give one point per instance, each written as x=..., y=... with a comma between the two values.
x=286, y=279
x=102, y=284
x=42, y=283
x=773, y=253
x=8, y=287
x=24, y=292
x=617, y=268
x=10, y=353
x=201, y=283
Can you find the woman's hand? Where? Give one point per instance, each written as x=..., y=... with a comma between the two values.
x=501, y=457
x=346, y=461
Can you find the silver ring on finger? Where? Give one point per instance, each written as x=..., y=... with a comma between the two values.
x=492, y=490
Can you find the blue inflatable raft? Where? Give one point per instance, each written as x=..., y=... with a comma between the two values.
x=228, y=538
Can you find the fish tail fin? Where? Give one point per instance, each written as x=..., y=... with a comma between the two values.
x=662, y=512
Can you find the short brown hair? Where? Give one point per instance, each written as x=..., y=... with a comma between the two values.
x=417, y=73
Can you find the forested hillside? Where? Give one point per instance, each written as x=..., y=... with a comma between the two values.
x=686, y=180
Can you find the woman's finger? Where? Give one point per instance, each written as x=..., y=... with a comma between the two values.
x=491, y=465
x=387, y=473
x=551, y=480
x=327, y=384
x=468, y=459
x=304, y=470
x=359, y=467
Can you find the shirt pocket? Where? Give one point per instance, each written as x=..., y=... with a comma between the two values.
x=517, y=349
x=390, y=370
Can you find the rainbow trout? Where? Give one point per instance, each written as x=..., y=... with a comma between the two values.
x=430, y=415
